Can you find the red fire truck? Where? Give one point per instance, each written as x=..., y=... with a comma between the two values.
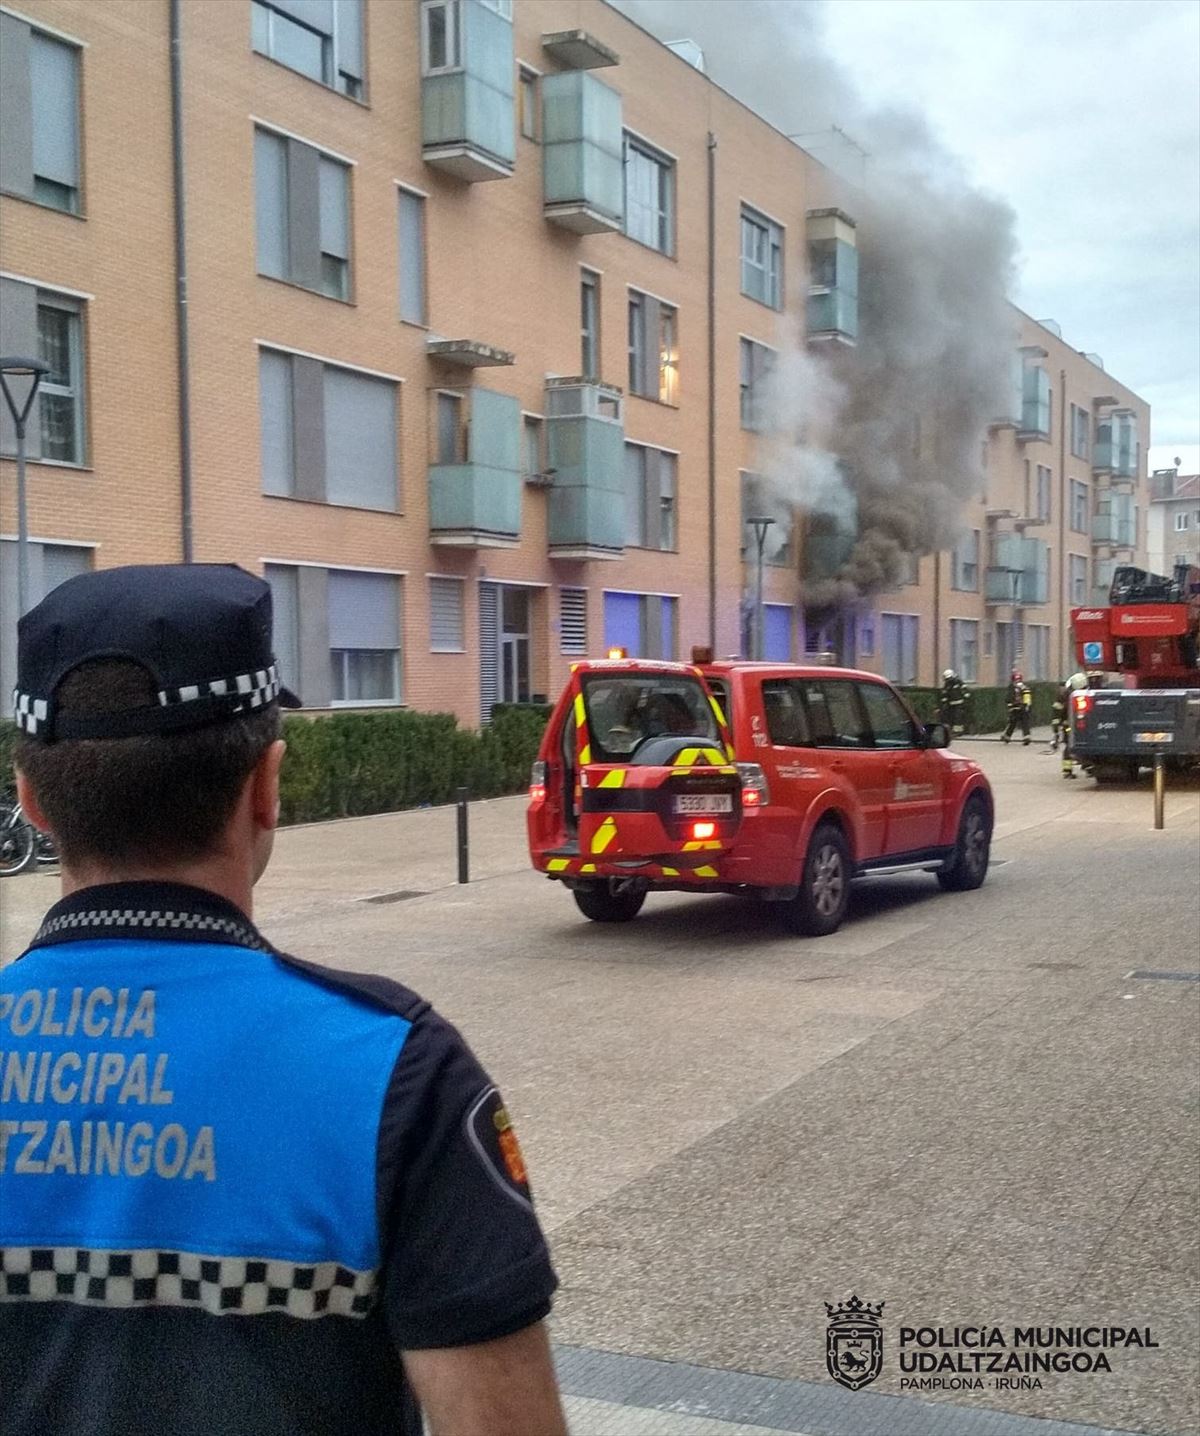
x=1147, y=644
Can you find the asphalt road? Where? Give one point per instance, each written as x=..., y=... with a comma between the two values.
x=963, y=1106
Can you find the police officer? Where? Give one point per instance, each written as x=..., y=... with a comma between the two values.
x=1018, y=699
x=954, y=702
x=241, y=1193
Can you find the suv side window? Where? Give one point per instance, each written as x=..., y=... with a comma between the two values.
x=835, y=715
x=784, y=708
x=891, y=727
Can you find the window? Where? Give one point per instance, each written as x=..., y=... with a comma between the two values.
x=762, y=259
x=1181, y=523
x=755, y=361
x=446, y=615
x=650, y=492
x=1079, y=506
x=572, y=626
x=787, y=722
x=61, y=394
x=653, y=349
x=364, y=637
x=284, y=583
x=531, y=447
x=1078, y=579
x=451, y=433
x=866, y=635
x=649, y=196
x=413, y=304
x=302, y=208
x=39, y=157
x=890, y=723
x=964, y=574
x=325, y=44
x=527, y=103
x=589, y=325
x=1037, y=651
x=964, y=648
x=900, y=635
x=1042, y=512
x=644, y=624
x=835, y=714
x=441, y=36
x=909, y=571
x=1080, y=425
x=328, y=434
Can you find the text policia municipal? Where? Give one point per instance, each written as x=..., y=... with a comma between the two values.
x=990, y=1350
x=126, y=1078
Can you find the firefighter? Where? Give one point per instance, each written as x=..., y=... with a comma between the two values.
x=954, y=702
x=1060, y=717
x=1018, y=700
x=1069, y=689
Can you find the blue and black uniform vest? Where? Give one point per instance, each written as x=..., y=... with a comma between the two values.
x=234, y=1187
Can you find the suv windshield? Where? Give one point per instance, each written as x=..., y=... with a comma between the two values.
x=625, y=709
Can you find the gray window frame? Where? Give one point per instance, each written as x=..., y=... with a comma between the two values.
x=19, y=118
x=589, y=324
x=771, y=268
x=664, y=210
x=414, y=307
x=528, y=101
x=307, y=230
x=334, y=74
x=445, y=584
x=959, y=578
x=960, y=628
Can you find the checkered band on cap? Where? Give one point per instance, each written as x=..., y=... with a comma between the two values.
x=253, y=689
x=222, y=1286
x=29, y=712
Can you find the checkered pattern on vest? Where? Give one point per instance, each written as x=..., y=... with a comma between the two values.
x=223, y=1286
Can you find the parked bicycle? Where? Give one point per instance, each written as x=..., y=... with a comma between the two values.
x=20, y=842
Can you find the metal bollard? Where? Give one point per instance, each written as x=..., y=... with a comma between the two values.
x=1160, y=780
x=460, y=798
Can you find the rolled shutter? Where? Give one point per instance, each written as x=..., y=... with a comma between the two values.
x=16, y=108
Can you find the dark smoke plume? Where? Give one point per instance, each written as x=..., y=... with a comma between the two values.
x=886, y=437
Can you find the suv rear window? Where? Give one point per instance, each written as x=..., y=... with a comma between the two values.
x=624, y=709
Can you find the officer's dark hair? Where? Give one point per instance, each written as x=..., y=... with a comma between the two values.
x=156, y=800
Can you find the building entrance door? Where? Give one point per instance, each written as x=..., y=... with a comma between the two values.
x=514, y=645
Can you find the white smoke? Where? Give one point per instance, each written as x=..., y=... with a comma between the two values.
x=887, y=436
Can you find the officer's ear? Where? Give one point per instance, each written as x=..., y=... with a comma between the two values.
x=264, y=785
x=29, y=803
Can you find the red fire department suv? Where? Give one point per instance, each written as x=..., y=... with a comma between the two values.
x=769, y=780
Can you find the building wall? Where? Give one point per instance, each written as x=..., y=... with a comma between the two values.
x=497, y=272
x=1166, y=540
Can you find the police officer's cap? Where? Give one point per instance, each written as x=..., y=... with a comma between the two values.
x=201, y=631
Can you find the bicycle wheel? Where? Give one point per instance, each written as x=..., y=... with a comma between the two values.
x=17, y=843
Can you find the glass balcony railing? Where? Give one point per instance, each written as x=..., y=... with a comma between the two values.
x=1020, y=571
x=586, y=449
x=1118, y=528
x=1035, y=404
x=583, y=172
x=477, y=504
x=1116, y=449
x=468, y=123
x=832, y=276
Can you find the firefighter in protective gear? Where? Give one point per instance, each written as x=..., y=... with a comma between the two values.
x=1072, y=686
x=1059, y=716
x=1018, y=701
x=954, y=702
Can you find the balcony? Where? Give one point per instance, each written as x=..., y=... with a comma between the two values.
x=467, y=353
x=477, y=503
x=1035, y=404
x=828, y=543
x=577, y=50
x=583, y=173
x=1116, y=526
x=586, y=448
x=1116, y=450
x=468, y=126
x=1019, y=573
x=832, y=277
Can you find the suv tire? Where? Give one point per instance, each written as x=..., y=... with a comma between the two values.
x=820, y=906
x=602, y=902
x=968, y=863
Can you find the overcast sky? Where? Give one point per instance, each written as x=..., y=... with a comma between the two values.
x=1085, y=116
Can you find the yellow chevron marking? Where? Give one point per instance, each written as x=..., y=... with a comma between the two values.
x=604, y=834
x=588, y=868
x=580, y=711
x=585, y=753
x=670, y=872
x=615, y=779
x=558, y=865
x=686, y=757
x=706, y=872
x=716, y=708
x=730, y=753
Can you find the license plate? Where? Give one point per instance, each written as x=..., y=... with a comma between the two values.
x=704, y=803
x=1154, y=737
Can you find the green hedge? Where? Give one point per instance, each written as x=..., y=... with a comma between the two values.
x=986, y=711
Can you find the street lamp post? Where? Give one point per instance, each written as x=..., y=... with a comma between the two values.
x=31, y=369
x=760, y=526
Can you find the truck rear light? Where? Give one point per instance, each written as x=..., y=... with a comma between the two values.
x=1083, y=704
x=704, y=830
x=537, y=783
x=755, y=793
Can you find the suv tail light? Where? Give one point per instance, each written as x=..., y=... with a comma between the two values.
x=537, y=783
x=755, y=793
x=1083, y=704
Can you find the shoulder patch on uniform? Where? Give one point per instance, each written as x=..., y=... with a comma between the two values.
x=492, y=1138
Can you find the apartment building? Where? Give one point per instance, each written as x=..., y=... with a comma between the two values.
x=1173, y=529
x=463, y=347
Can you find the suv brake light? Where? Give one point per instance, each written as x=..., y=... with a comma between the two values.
x=755, y=793
x=537, y=783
